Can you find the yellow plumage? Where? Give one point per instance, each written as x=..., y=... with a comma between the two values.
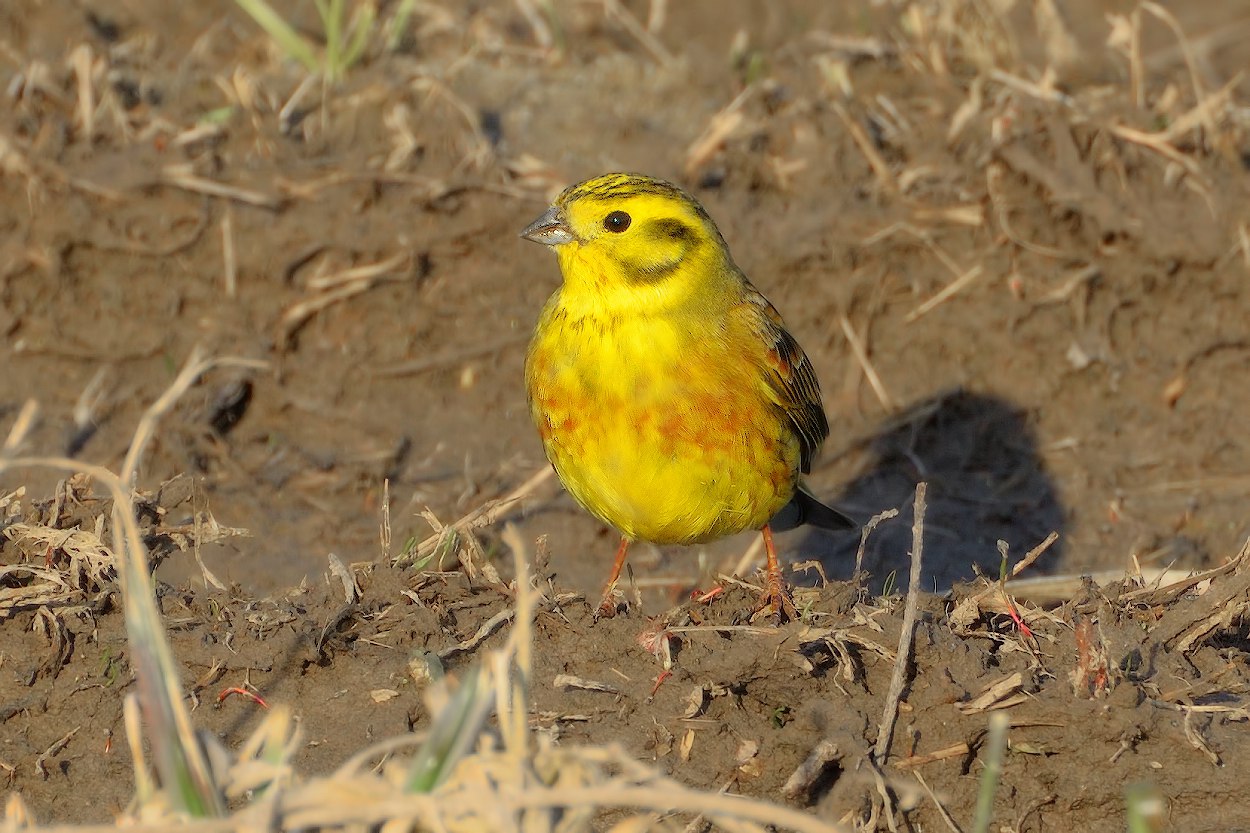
x=669, y=396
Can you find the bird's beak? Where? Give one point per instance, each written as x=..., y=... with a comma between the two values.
x=550, y=229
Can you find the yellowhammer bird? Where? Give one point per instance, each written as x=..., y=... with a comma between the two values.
x=670, y=398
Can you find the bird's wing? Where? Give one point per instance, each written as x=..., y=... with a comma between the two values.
x=790, y=377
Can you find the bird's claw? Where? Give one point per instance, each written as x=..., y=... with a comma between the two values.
x=610, y=604
x=777, y=599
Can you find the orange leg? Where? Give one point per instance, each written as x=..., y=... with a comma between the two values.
x=607, y=605
x=776, y=594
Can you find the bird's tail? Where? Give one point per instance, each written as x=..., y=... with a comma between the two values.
x=803, y=508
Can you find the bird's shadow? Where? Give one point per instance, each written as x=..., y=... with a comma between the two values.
x=986, y=483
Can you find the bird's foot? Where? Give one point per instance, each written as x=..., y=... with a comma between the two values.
x=776, y=596
x=612, y=598
x=777, y=600
x=611, y=603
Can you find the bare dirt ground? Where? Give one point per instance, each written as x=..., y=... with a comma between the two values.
x=1013, y=239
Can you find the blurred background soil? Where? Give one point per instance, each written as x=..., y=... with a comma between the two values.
x=1013, y=238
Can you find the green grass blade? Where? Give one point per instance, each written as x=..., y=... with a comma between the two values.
x=283, y=34
x=1144, y=809
x=184, y=772
x=362, y=27
x=995, y=745
x=455, y=729
x=399, y=24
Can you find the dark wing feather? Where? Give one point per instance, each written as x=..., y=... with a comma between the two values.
x=792, y=379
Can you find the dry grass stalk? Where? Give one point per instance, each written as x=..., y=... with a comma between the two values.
x=949, y=291
x=538, y=25
x=57, y=745
x=180, y=176
x=880, y=168
x=957, y=750
x=82, y=61
x=1160, y=146
x=1078, y=279
x=571, y=682
x=486, y=514
x=644, y=35
x=1072, y=185
x=1154, y=595
x=1197, y=741
x=1004, y=693
x=1203, y=113
x=89, y=407
x=480, y=151
x=994, y=175
x=1032, y=555
x=971, y=216
x=870, y=372
x=229, y=260
x=384, y=523
x=1125, y=36
x=885, y=733
x=21, y=427
x=722, y=125
x=1062, y=49
x=814, y=765
x=864, y=534
x=40, y=172
x=1243, y=243
x=1191, y=63
x=483, y=632
x=364, y=274
x=924, y=237
x=328, y=290
x=1044, y=92
x=1051, y=591
x=449, y=358
x=946, y=816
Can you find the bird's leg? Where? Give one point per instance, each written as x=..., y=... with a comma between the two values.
x=776, y=594
x=607, y=605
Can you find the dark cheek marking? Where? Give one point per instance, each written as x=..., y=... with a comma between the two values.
x=654, y=272
x=673, y=229
x=671, y=242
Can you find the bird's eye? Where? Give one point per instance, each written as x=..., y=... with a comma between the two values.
x=616, y=222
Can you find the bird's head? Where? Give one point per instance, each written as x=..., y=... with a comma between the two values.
x=633, y=240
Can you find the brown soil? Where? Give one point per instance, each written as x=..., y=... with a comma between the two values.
x=1090, y=377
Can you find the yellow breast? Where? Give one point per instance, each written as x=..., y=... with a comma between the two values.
x=659, y=426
